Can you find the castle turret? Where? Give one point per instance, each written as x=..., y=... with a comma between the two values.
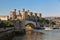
x=19, y=13
x=35, y=14
x=39, y=15
x=23, y=14
x=29, y=13
x=13, y=14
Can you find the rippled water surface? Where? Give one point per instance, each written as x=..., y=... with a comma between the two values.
x=37, y=35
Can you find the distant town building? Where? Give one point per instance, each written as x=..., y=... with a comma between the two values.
x=57, y=20
x=54, y=19
x=4, y=17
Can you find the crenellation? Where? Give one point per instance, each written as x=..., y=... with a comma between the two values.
x=29, y=13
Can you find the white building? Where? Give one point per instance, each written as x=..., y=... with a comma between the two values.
x=4, y=17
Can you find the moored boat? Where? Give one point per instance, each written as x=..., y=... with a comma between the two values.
x=48, y=28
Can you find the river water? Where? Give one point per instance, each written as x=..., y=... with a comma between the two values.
x=40, y=35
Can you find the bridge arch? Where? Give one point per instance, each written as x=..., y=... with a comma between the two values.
x=30, y=24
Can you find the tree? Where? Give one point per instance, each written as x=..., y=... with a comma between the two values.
x=5, y=24
x=44, y=21
x=2, y=24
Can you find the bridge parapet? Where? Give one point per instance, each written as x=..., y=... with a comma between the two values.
x=26, y=22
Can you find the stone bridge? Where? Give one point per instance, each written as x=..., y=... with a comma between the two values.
x=23, y=24
x=30, y=23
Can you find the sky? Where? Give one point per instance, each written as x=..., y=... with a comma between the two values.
x=45, y=7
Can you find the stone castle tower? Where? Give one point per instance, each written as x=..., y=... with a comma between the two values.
x=13, y=14
x=24, y=15
x=18, y=12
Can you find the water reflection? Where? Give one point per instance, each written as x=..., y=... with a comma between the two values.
x=30, y=36
x=34, y=36
x=37, y=35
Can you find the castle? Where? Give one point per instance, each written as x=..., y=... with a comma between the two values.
x=24, y=15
